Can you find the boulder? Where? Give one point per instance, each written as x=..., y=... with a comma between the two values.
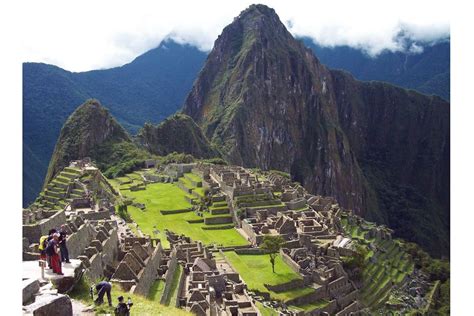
x=50, y=305
x=30, y=288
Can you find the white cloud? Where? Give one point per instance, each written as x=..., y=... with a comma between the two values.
x=100, y=34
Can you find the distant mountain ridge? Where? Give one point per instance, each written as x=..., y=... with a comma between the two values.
x=427, y=72
x=155, y=84
x=148, y=89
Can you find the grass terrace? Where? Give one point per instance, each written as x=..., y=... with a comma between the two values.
x=159, y=197
x=391, y=265
x=256, y=271
x=146, y=306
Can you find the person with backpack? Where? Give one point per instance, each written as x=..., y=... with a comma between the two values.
x=52, y=251
x=43, y=243
x=122, y=309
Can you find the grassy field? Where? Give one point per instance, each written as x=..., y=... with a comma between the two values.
x=256, y=270
x=166, y=196
x=146, y=306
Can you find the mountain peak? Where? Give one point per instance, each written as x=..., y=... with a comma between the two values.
x=258, y=10
x=88, y=128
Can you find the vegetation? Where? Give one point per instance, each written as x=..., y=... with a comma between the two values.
x=357, y=262
x=177, y=133
x=167, y=196
x=147, y=306
x=151, y=87
x=253, y=270
x=272, y=244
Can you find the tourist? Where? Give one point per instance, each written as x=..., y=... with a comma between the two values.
x=43, y=243
x=62, y=244
x=122, y=309
x=50, y=237
x=53, y=252
x=102, y=288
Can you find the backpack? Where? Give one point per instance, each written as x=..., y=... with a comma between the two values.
x=50, y=249
x=43, y=242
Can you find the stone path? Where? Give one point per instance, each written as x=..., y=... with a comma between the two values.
x=31, y=270
x=79, y=309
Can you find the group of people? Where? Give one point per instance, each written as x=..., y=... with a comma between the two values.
x=105, y=287
x=53, y=249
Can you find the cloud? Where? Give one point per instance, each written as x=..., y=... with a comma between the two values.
x=100, y=34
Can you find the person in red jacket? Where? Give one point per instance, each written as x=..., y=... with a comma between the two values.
x=53, y=252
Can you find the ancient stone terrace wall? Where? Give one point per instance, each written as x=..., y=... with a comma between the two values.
x=283, y=287
x=33, y=232
x=96, y=215
x=172, y=266
x=80, y=239
x=352, y=308
x=290, y=262
x=149, y=273
x=106, y=243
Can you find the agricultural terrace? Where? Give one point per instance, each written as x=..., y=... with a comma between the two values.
x=167, y=206
x=256, y=271
x=388, y=264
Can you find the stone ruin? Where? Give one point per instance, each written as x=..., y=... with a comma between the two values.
x=206, y=286
x=138, y=268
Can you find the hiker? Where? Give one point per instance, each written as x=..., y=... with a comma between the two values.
x=102, y=288
x=62, y=244
x=123, y=309
x=52, y=250
x=43, y=243
x=50, y=236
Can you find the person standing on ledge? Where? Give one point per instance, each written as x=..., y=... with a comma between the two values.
x=53, y=252
x=102, y=288
x=62, y=244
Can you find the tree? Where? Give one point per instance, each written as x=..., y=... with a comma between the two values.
x=272, y=244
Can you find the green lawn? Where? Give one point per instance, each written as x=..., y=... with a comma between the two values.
x=167, y=196
x=194, y=177
x=256, y=270
x=147, y=306
x=156, y=290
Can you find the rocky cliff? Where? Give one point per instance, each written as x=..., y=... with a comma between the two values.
x=266, y=101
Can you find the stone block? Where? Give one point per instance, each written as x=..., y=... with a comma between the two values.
x=30, y=288
x=50, y=305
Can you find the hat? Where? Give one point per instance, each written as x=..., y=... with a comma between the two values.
x=120, y=298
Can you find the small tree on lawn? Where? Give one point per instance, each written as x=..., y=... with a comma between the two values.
x=272, y=244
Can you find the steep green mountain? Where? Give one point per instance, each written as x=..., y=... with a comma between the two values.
x=150, y=88
x=427, y=72
x=90, y=131
x=266, y=101
x=178, y=133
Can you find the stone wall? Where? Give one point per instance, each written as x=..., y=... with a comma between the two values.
x=172, y=266
x=352, y=308
x=283, y=287
x=290, y=262
x=96, y=215
x=250, y=251
x=108, y=252
x=149, y=273
x=78, y=241
x=218, y=220
x=35, y=231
